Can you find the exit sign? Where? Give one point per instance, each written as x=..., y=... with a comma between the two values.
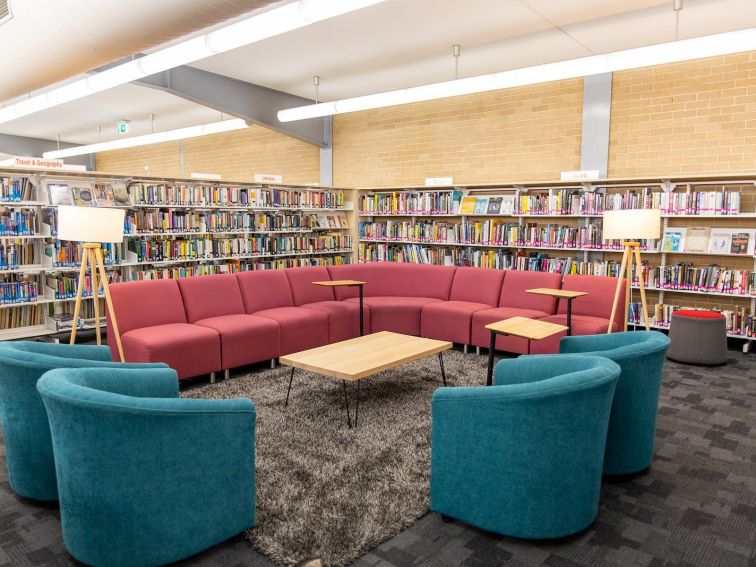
x=123, y=127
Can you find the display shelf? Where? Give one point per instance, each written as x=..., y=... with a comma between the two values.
x=529, y=246
x=696, y=292
x=240, y=257
x=641, y=325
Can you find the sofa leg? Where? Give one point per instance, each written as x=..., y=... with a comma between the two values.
x=212, y=377
x=446, y=519
x=272, y=362
x=477, y=350
x=464, y=349
x=227, y=374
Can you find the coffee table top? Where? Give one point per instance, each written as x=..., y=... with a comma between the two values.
x=526, y=328
x=358, y=358
x=340, y=283
x=565, y=293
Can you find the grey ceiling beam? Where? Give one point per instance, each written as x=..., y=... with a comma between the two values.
x=253, y=103
x=34, y=147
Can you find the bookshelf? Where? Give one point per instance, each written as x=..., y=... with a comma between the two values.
x=556, y=227
x=173, y=228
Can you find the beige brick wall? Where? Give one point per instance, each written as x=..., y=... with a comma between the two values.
x=527, y=133
x=685, y=118
x=235, y=155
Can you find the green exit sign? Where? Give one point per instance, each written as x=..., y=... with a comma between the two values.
x=123, y=127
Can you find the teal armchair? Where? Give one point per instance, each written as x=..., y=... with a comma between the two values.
x=26, y=432
x=632, y=425
x=524, y=457
x=145, y=477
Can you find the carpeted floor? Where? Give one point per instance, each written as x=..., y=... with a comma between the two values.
x=696, y=507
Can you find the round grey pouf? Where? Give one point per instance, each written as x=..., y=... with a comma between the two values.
x=698, y=337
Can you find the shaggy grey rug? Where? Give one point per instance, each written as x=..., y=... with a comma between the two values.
x=330, y=492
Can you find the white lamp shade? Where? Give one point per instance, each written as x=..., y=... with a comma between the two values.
x=632, y=224
x=90, y=224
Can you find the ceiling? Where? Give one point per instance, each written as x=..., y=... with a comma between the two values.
x=402, y=43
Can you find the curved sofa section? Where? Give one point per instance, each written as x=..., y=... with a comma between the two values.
x=211, y=323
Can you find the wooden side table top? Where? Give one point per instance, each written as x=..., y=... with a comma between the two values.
x=526, y=328
x=358, y=358
x=564, y=293
x=340, y=283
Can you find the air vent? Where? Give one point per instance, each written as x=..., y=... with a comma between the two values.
x=5, y=13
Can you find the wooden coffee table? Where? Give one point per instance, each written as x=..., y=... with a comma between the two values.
x=355, y=359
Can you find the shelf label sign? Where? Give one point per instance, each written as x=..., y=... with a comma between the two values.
x=580, y=175
x=268, y=178
x=434, y=181
x=19, y=161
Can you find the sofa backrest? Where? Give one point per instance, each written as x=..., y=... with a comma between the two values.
x=398, y=279
x=303, y=290
x=348, y=272
x=264, y=289
x=517, y=282
x=598, y=302
x=146, y=304
x=477, y=285
x=210, y=296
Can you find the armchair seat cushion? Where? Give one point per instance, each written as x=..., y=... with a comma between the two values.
x=191, y=350
x=244, y=338
x=300, y=328
x=581, y=325
x=450, y=320
x=481, y=337
x=396, y=314
x=343, y=318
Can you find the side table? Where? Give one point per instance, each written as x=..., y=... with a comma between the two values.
x=561, y=294
x=347, y=283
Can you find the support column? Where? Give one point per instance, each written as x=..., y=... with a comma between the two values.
x=326, y=153
x=597, y=110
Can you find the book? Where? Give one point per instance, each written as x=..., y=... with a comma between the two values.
x=120, y=194
x=697, y=239
x=674, y=240
x=494, y=206
x=60, y=194
x=481, y=205
x=719, y=241
x=467, y=206
x=739, y=242
x=508, y=203
x=342, y=221
x=83, y=196
x=103, y=193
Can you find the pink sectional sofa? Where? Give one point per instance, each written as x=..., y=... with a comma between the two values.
x=207, y=324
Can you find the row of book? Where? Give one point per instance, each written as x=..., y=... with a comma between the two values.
x=66, y=287
x=411, y=203
x=705, y=240
x=18, y=292
x=684, y=276
x=67, y=254
x=21, y=316
x=168, y=221
x=14, y=189
x=18, y=222
x=197, y=248
x=739, y=321
x=423, y=230
x=62, y=320
x=13, y=256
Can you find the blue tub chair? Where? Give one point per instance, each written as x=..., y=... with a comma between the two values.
x=524, y=457
x=145, y=477
x=28, y=449
x=632, y=425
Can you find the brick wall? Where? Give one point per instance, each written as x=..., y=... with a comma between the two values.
x=527, y=133
x=685, y=118
x=235, y=155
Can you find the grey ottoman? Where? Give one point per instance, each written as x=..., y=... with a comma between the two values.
x=698, y=337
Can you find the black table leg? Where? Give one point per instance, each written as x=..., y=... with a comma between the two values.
x=346, y=404
x=291, y=377
x=443, y=371
x=362, y=330
x=569, y=316
x=491, y=349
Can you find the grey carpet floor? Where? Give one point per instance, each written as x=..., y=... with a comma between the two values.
x=696, y=506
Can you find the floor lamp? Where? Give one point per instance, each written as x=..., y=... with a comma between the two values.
x=92, y=226
x=630, y=226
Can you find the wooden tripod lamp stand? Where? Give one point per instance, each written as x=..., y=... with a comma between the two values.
x=630, y=226
x=92, y=226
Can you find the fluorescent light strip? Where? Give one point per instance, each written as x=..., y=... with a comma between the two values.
x=156, y=138
x=256, y=28
x=659, y=54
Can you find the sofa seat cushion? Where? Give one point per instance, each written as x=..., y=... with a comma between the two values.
x=191, y=350
x=245, y=339
x=581, y=325
x=299, y=328
x=396, y=314
x=449, y=320
x=343, y=318
x=480, y=336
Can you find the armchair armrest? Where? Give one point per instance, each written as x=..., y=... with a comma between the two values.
x=85, y=352
x=534, y=368
x=136, y=380
x=590, y=343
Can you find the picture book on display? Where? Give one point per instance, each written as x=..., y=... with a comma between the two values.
x=719, y=241
x=60, y=194
x=507, y=205
x=494, y=205
x=697, y=240
x=83, y=196
x=103, y=193
x=674, y=240
x=120, y=193
x=481, y=206
x=467, y=206
x=739, y=242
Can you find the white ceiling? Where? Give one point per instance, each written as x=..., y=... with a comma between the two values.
x=402, y=43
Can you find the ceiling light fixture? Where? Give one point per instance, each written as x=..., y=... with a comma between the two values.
x=156, y=138
x=286, y=18
x=659, y=54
